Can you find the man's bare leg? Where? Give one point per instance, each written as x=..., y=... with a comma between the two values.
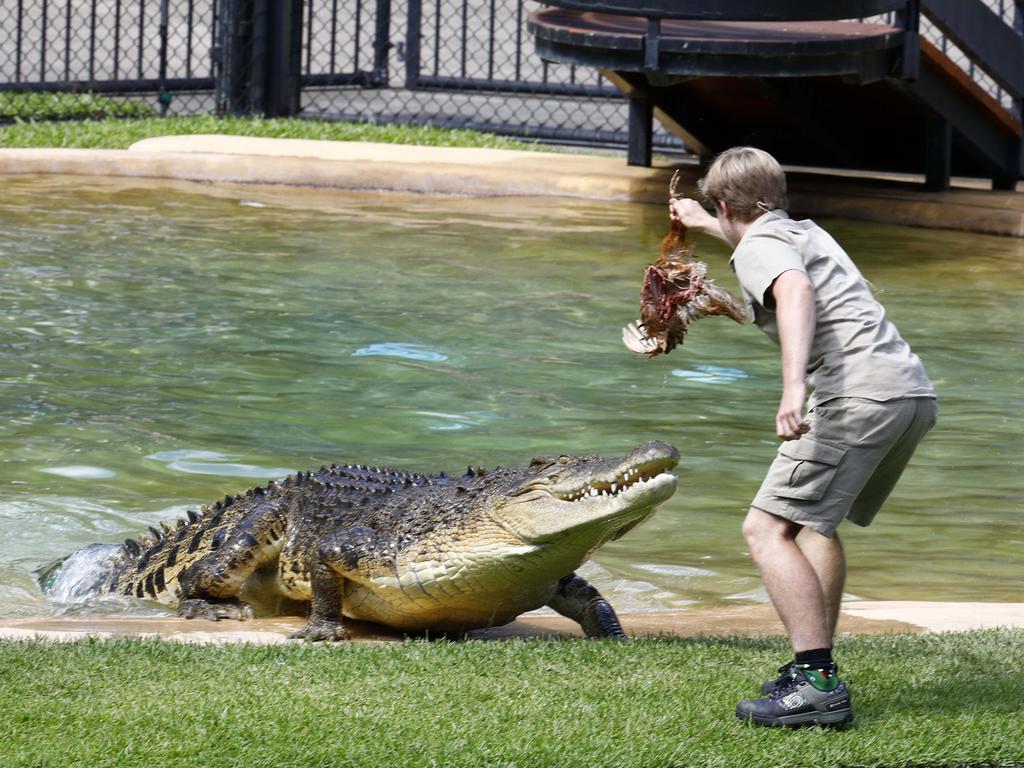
x=791, y=580
x=828, y=560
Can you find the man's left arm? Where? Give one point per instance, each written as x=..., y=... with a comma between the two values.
x=794, y=313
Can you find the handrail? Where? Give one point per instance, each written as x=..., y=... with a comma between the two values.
x=992, y=44
x=738, y=10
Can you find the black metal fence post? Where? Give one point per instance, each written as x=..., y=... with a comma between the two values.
x=164, y=97
x=231, y=64
x=277, y=57
x=259, y=57
x=413, y=33
x=382, y=43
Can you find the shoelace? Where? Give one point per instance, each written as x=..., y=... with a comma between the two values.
x=786, y=670
x=786, y=678
x=784, y=688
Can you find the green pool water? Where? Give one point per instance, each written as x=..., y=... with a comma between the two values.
x=162, y=346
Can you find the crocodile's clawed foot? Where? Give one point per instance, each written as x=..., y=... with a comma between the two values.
x=325, y=631
x=197, y=608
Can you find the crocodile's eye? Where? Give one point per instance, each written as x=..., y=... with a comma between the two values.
x=564, y=459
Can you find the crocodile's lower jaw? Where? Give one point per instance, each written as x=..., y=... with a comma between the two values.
x=608, y=513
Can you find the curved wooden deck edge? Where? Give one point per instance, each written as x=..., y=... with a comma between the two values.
x=491, y=172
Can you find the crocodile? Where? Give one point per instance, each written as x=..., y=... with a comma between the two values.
x=415, y=552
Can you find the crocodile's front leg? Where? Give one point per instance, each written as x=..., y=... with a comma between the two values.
x=577, y=600
x=209, y=587
x=341, y=553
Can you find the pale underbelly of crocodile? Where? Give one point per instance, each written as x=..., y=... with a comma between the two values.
x=412, y=609
x=425, y=595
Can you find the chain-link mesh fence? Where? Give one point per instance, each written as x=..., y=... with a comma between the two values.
x=454, y=63
x=144, y=57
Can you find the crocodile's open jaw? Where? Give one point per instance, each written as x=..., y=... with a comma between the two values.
x=640, y=477
x=609, y=494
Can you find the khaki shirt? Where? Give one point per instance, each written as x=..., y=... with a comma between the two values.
x=856, y=351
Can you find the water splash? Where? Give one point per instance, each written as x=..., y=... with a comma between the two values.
x=79, y=576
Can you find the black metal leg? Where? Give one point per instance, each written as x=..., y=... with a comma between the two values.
x=1007, y=180
x=641, y=128
x=938, y=162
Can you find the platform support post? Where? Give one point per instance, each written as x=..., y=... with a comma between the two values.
x=909, y=18
x=641, y=128
x=1007, y=180
x=938, y=146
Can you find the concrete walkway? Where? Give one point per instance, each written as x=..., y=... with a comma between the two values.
x=493, y=172
x=858, y=618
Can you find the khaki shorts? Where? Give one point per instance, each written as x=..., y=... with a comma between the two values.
x=849, y=462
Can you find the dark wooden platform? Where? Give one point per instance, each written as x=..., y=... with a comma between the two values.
x=830, y=93
x=734, y=48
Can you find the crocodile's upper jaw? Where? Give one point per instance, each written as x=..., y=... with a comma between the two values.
x=607, y=496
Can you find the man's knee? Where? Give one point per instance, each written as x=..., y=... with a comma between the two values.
x=762, y=530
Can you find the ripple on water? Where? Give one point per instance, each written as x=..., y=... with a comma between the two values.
x=710, y=374
x=406, y=351
x=79, y=472
x=448, y=422
x=196, y=462
x=676, y=571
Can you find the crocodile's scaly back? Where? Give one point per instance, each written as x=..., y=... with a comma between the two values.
x=254, y=521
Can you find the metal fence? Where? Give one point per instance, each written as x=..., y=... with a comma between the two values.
x=454, y=63
x=451, y=63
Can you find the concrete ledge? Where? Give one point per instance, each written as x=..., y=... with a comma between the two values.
x=492, y=172
x=857, y=618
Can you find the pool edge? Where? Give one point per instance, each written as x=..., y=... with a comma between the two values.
x=494, y=172
x=857, y=618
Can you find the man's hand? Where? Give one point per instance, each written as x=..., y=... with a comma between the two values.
x=790, y=422
x=692, y=215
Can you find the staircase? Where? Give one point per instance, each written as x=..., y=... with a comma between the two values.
x=930, y=87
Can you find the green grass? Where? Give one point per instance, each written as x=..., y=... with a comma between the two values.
x=69, y=106
x=120, y=134
x=920, y=700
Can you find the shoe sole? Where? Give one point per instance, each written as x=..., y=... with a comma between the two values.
x=837, y=719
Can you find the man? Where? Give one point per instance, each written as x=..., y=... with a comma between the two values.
x=870, y=404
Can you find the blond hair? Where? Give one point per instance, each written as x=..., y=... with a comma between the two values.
x=748, y=179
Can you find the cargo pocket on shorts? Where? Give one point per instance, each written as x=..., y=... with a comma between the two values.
x=810, y=469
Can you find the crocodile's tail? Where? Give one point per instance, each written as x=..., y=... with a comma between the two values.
x=82, y=574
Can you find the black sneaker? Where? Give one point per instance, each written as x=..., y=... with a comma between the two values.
x=809, y=697
x=785, y=675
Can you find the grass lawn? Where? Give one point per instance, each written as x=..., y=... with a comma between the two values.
x=919, y=700
x=121, y=133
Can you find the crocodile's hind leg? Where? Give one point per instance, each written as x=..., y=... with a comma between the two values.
x=209, y=587
x=346, y=552
x=577, y=600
